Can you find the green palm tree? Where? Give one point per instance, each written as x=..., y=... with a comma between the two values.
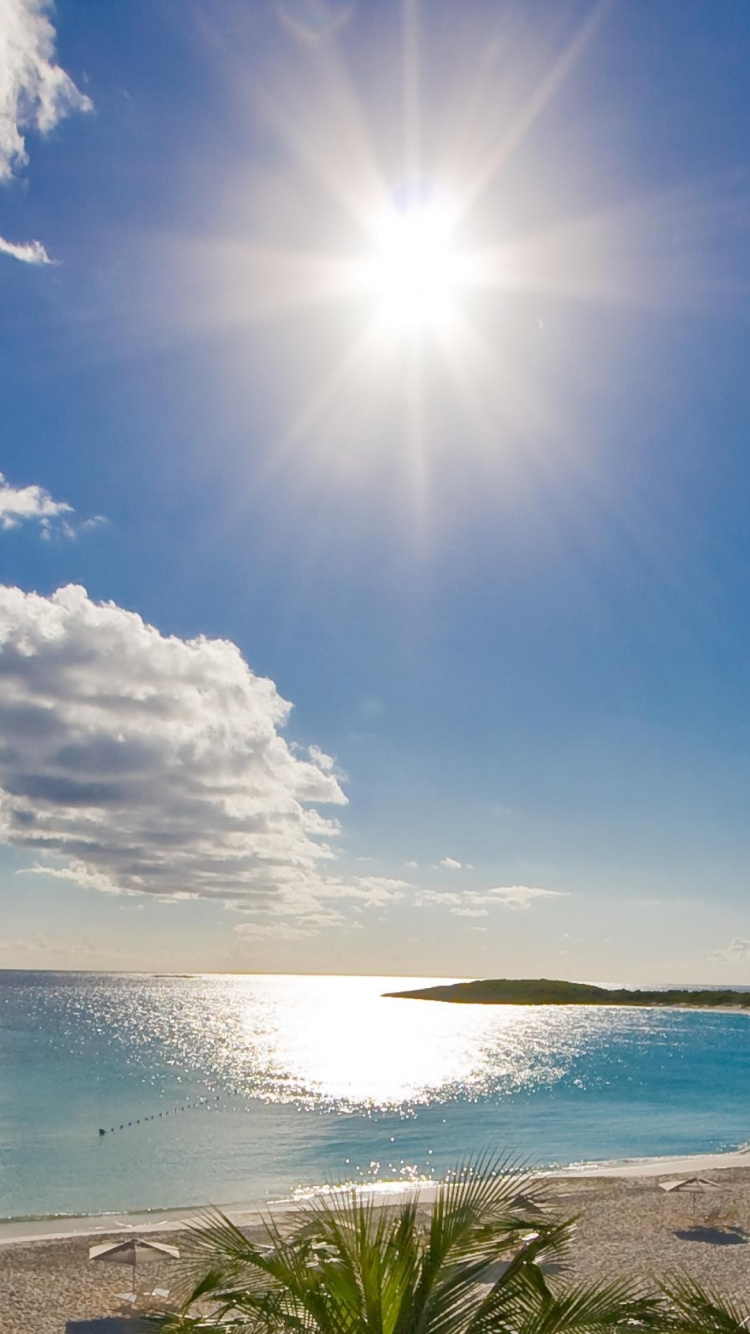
x=479, y=1260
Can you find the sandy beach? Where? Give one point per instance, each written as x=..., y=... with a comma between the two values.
x=627, y=1226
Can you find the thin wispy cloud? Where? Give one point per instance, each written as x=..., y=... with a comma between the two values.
x=35, y=95
x=477, y=902
x=261, y=933
x=26, y=252
x=737, y=951
x=35, y=92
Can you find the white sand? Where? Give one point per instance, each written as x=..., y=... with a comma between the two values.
x=627, y=1226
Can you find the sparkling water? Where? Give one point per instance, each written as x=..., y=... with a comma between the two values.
x=242, y=1089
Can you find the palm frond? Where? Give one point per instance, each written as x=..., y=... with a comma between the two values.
x=699, y=1309
x=471, y=1264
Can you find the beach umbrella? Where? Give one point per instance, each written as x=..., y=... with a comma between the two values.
x=130, y=1250
x=694, y=1186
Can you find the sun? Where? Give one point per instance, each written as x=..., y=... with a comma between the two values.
x=415, y=271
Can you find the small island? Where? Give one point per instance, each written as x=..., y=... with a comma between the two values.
x=542, y=991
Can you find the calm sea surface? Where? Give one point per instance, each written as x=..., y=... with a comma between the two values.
x=287, y=1082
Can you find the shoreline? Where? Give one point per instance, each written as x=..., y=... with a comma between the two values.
x=19, y=1231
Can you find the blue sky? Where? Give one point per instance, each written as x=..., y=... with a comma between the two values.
x=498, y=562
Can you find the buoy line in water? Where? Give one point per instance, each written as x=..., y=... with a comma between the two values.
x=203, y=1104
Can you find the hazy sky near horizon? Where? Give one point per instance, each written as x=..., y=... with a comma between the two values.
x=352, y=620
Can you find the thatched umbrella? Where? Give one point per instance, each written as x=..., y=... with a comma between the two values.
x=128, y=1251
x=694, y=1186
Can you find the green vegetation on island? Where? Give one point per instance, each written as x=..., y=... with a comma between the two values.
x=542, y=991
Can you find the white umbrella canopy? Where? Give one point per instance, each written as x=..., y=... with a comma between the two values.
x=694, y=1186
x=130, y=1250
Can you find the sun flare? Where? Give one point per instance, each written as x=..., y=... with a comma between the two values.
x=415, y=270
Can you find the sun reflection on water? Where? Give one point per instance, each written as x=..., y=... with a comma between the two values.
x=333, y=1043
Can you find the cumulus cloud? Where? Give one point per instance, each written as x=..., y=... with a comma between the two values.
x=152, y=764
x=737, y=951
x=476, y=902
x=35, y=93
x=450, y=864
x=27, y=252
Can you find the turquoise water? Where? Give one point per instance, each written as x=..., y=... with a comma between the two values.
x=288, y=1082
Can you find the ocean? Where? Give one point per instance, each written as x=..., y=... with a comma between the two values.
x=239, y=1090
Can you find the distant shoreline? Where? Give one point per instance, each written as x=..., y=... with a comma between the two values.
x=543, y=991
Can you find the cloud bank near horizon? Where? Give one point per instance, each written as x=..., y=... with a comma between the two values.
x=138, y=763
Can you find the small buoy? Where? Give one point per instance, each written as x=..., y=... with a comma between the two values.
x=102, y=1132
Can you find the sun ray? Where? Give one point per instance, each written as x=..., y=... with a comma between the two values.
x=415, y=438
x=412, y=134
x=498, y=392
x=412, y=264
x=347, y=370
x=543, y=94
x=351, y=173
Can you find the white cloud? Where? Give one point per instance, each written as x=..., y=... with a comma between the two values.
x=149, y=764
x=28, y=252
x=514, y=896
x=426, y=898
x=737, y=951
x=412, y=865
x=260, y=933
x=374, y=890
x=450, y=864
x=25, y=504
x=465, y=904
x=35, y=93
x=34, y=504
